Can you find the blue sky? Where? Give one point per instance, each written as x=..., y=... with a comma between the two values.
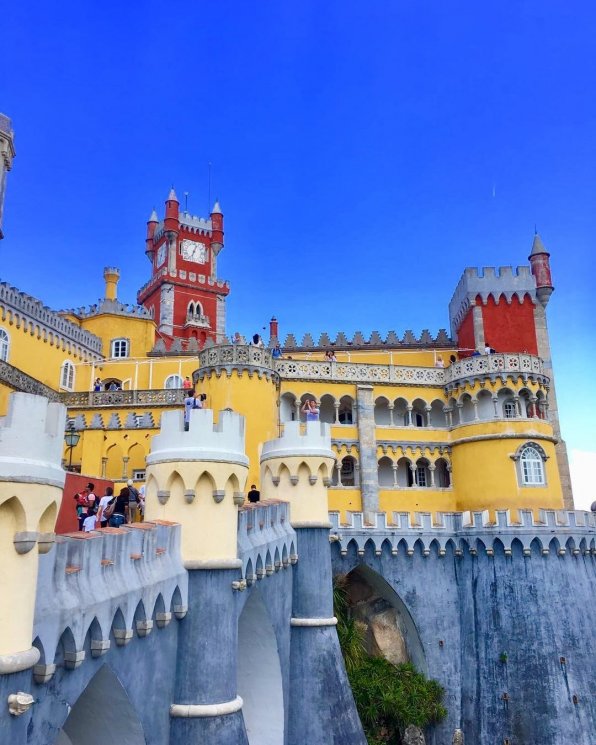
x=363, y=156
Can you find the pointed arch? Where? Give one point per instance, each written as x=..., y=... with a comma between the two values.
x=87, y=723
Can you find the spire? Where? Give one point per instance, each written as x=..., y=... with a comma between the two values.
x=153, y=216
x=537, y=245
x=216, y=208
x=172, y=196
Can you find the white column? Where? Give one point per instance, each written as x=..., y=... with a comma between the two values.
x=432, y=469
x=338, y=469
x=475, y=405
x=409, y=415
x=496, y=405
x=427, y=410
x=336, y=407
x=394, y=466
x=391, y=407
x=413, y=470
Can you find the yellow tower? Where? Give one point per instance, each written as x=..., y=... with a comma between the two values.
x=31, y=483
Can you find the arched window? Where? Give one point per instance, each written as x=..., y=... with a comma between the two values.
x=173, y=381
x=529, y=463
x=4, y=345
x=67, y=375
x=531, y=466
x=120, y=348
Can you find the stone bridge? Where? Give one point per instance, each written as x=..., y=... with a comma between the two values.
x=213, y=621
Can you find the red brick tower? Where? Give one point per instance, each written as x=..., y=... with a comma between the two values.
x=506, y=310
x=184, y=295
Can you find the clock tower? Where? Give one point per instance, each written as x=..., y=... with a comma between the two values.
x=184, y=295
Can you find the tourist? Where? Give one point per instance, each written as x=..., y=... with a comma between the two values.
x=97, y=385
x=439, y=362
x=276, y=353
x=237, y=338
x=189, y=405
x=254, y=495
x=81, y=503
x=330, y=356
x=120, y=514
x=488, y=349
x=187, y=384
x=89, y=523
x=103, y=503
x=311, y=410
x=257, y=341
x=133, y=501
x=142, y=502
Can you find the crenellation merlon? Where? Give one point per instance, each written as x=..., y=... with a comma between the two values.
x=32, y=440
x=204, y=440
x=298, y=439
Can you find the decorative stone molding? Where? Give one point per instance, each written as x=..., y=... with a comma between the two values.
x=14, y=663
x=238, y=498
x=180, y=611
x=43, y=673
x=313, y=622
x=206, y=710
x=162, y=496
x=73, y=659
x=144, y=628
x=163, y=619
x=375, y=340
x=19, y=703
x=218, y=495
x=122, y=636
x=24, y=541
x=241, y=358
x=99, y=647
x=189, y=496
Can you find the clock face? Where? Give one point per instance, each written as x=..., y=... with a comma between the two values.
x=193, y=251
x=161, y=254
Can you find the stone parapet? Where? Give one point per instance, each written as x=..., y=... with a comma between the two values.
x=240, y=358
x=122, y=581
x=300, y=439
x=32, y=440
x=266, y=539
x=480, y=368
x=98, y=399
x=19, y=308
x=565, y=533
x=205, y=441
x=358, y=342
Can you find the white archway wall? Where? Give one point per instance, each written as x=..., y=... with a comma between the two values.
x=259, y=675
x=437, y=471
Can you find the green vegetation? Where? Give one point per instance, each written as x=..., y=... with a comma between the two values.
x=388, y=697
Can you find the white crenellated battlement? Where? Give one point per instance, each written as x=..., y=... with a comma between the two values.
x=298, y=439
x=204, y=440
x=32, y=440
x=556, y=531
x=489, y=281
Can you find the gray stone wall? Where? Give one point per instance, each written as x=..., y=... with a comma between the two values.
x=369, y=480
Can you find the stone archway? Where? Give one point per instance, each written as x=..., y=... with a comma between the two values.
x=102, y=715
x=389, y=628
x=259, y=675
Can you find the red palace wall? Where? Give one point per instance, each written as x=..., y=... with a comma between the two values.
x=509, y=327
x=465, y=334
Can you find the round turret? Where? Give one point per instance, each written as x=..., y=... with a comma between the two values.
x=540, y=265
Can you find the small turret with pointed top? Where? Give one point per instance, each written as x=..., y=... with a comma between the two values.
x=172, y=219
x=152, y=224
x=540, y=266
x=216, y=228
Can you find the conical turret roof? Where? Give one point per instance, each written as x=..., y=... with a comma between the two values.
x=537, y=246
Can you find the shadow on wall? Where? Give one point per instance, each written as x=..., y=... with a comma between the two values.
x=390, y=631
x=102, y=714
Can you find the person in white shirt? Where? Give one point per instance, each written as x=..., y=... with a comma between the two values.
x=89, y=523
x=103, y=503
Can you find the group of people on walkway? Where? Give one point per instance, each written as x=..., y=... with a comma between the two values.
x=111, y=510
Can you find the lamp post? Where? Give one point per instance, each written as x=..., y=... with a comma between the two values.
x=71, y=438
